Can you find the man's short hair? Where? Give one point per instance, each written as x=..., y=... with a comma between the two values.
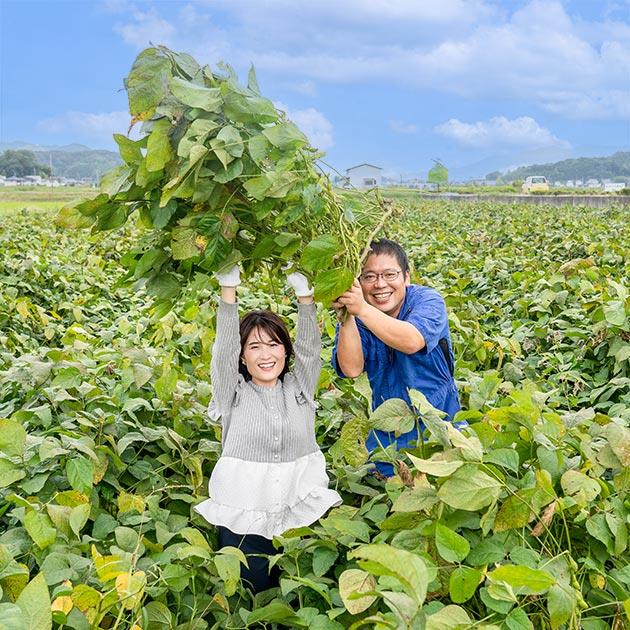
x=391, y=248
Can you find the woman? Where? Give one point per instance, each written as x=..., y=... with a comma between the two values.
x=271, y=475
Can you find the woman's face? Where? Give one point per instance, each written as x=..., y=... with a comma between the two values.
x=264, y=358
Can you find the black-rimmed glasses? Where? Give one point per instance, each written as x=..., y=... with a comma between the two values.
x=389, y=275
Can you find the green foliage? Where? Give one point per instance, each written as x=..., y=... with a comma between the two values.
x=438, y=174
x=20, y=162
x=220, y=176
x=518, y=521
x=613, y=166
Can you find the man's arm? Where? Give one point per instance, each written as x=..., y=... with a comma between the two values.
x=349, y=348
x=393, y=332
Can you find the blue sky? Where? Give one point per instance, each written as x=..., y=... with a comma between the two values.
x=480, y=84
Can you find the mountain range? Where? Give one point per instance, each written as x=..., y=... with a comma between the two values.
x=74, y=161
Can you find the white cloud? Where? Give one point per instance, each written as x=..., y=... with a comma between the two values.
x=537, y=53
x=313, y=123
x=500, y=132
x=404, y=128
x=146, y=27
x=307, y=88
x=97, y=127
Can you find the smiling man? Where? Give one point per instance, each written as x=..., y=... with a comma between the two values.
x=398, y=333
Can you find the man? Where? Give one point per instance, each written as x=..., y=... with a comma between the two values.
x=398, y=333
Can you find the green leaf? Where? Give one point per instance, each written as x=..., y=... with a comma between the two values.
x=470, y=489
x=579, y=486
x=506, y=457
x=285, y=135
x=330, y=284
x=114, y=181
x=276, y=612
x=11, y=617
x=393, y=415
x=561, y=604
x=147, y=83
x=615, y=313
x=184, y=243
x=435, y=466
x=449, y=618
x=34, y=602
x=158, y=616
x=257, y=187
x=159, y=151
x=406, y=567
x=79, y=517
x=319, y=253
x=353, y=582
x=353, y=435
x=229, y=569
x=12, y=438
x=516, y=511
x=531, y=581
x=463, y=583
x=450, y=545
x=10, y=473
x=129, y=149
x=416, y=499
x=198, y=96
x=518, y=620
x=231, y=140
x=80, y=471
x=39, y=528
x=323, y=559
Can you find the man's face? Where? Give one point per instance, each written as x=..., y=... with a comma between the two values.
x=386, y=295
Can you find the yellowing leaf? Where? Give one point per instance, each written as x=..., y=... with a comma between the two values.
x=128, y=502
x=130, y=588
x=353, y=582
x=63, y=604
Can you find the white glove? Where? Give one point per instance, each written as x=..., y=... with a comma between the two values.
x=230, y=278
x=299, y=283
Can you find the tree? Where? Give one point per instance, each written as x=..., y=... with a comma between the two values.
x=438, y=174
x=19, y=163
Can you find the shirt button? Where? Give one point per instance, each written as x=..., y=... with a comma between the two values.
x=275, y=456
x=275, y=437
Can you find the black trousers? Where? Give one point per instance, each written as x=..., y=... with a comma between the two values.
x=257, y=577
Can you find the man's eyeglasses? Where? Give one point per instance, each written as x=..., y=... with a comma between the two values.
x=389, y=275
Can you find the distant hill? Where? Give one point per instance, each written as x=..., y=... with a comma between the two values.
x=74, y=161
x=616, y=166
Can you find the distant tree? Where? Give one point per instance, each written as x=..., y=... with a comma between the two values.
x=438, y=174
x=494, y=176
x=20, y=163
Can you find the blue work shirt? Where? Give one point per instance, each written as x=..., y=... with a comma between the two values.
x=392, y=373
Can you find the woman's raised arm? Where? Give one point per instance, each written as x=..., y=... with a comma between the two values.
x=308, y=340
x=227, y=344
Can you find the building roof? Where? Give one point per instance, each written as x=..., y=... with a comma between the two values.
x=364, y=164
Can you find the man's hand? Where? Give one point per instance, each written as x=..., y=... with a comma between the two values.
x=352, y=299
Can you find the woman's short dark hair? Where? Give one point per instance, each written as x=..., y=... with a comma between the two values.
x=391, y=248
x=273, y=325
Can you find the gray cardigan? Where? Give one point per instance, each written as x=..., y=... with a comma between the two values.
x=266, y=424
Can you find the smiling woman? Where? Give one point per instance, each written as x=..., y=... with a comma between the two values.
x=271, y=475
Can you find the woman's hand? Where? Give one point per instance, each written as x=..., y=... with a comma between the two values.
x=230, y=278
x=299, y=283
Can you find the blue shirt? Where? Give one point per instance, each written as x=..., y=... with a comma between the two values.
x=392, y=373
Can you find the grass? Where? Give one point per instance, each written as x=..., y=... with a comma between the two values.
x=40, y=198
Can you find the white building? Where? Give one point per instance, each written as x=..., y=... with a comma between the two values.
x=364, y=176
x=613, y=186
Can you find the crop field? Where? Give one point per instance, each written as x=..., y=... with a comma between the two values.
x=519, y=521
